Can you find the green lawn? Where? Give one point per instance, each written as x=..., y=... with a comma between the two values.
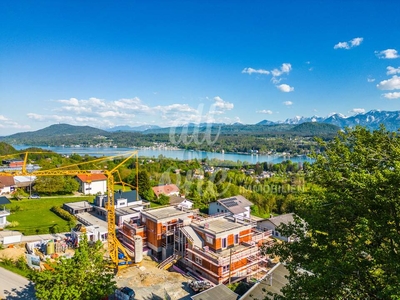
x=34, y=215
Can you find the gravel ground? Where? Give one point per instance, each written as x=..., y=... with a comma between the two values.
x=149, y=282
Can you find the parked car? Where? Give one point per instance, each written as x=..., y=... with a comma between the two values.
x=124, y=293
x=199, y=286
x=34, y=196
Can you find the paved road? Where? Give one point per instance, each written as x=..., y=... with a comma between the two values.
x=14, y=286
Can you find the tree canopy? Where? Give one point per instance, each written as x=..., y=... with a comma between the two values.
x=87, y=275
x=349, y=247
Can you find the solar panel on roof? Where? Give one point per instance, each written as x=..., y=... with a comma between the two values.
x=229, y=203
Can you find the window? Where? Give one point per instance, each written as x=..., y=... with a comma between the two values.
x=223, y=242
x=217, y=209
x=198, y=260
x=225, y=269
x=236, y=239
x=209, y=239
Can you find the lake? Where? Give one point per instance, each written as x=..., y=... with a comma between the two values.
x=175, y=154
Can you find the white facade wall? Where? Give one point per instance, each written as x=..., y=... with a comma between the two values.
x=94, y=187
x=5, y=190
x=267, y=225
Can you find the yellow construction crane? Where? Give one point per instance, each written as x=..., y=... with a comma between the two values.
x=118, y=254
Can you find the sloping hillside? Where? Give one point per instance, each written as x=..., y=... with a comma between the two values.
x=58, y=134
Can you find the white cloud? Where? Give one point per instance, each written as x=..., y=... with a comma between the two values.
x=350, y=44
x=133, y=104
x=131, y=111
x=387, y=54
x=285, y=68
x=392, y=70
x=285, y=88
x=394, y=95
x=358, y=110
x=341, y=45
x=265, y=111
x=389, y=84
x=222, y=105
x=70, y=102
x=288, y=103
x=258, y=71
x=370, y=79
x=356, y=41
x=175, y=108
x=6, y=123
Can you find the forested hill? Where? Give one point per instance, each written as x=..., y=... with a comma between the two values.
x=233, y=138
x=58, y=134
x=6, y=149
x=59, y=130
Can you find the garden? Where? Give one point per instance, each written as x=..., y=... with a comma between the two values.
x=34, y=216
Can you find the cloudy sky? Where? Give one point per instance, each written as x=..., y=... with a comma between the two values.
x=110, y=63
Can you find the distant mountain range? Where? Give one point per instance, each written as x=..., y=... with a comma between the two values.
x=136, y=128
x=371, y=120
x=60, y=134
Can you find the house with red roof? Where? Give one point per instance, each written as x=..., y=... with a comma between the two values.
x=92, y=184
x=166, y=189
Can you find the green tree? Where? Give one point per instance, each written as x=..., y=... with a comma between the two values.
x=87, y=275
x=143, y=182
x=163, y=199
x=49, y=184
x=349, y=247
x=70, y=185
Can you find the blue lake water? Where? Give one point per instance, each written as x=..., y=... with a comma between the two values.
x=175, y=154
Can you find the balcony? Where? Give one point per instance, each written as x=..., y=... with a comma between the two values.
x=227, y=256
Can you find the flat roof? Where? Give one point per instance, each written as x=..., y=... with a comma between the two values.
x=165, y=212
x=128, y=210
x=79, y=205
x=219, y=225
x=92, y=219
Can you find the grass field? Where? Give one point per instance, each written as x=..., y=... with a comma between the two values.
x=34, y=215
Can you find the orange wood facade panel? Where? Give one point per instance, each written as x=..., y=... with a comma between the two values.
x=153, y=232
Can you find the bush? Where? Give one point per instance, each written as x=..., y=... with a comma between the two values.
x=13, y=224
x=63, y=214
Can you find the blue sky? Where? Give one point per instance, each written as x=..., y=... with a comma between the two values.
x=110, y=63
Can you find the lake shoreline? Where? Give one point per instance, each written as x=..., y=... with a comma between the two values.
x=180, y=154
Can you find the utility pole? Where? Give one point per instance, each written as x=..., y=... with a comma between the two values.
x=230, y=265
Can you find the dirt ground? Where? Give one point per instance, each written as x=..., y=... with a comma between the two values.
x=14, y=253
x=149, y=282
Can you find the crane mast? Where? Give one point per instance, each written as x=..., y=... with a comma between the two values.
x=117, y=252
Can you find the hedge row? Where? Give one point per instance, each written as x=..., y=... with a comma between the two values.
x=62, y=213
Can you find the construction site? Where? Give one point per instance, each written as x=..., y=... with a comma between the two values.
x=144, y=242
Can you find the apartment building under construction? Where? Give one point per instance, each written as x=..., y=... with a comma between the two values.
x=219, y=248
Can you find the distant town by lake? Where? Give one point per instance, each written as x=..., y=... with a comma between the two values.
x=171, y=153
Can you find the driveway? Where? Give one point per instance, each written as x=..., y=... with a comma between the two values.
x=14, y=286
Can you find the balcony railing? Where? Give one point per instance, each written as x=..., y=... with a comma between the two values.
x=230, y=257
x=261, y=235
